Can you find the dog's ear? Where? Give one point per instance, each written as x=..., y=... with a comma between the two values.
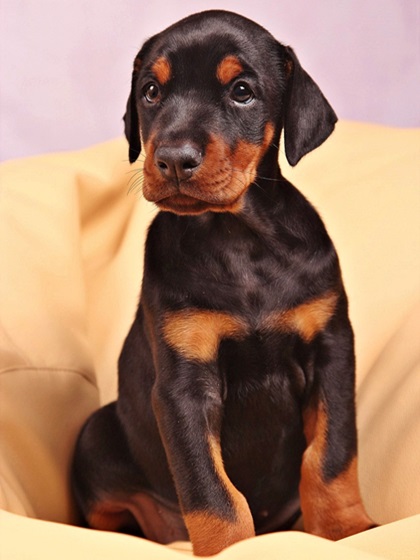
x=308, y=118
x=131, y=118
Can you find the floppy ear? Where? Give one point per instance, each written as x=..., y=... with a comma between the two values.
x=131, y=119
x=308, y=118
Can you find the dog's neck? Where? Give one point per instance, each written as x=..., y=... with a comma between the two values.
x=262, y=204
x=265, y=197
x=260, y=213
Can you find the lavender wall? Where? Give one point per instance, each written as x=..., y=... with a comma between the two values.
x=65, y=64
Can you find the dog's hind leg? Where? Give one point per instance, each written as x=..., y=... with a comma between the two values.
x=110, y=488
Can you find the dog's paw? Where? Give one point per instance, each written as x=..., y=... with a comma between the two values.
x=348, y=522
x=211, y=534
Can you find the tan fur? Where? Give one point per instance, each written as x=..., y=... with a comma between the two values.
x=196, y=334
x=306, y=319
x=228, y=69
x=219, y=184
x=162, y=70
x=211, y=533
x=331, y=509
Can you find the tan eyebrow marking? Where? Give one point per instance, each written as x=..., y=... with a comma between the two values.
x=162, y=70
x=228, y=68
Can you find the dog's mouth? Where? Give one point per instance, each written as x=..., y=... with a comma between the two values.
x=187, y=205
x=182, y=204
x=217, y=184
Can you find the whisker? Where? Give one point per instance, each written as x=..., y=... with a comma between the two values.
x=134, y=171
x=255, y=182
x=274, y=180
x=136, y=176
x=141, y=157
x=136, y=186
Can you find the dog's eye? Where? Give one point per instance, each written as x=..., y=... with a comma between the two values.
x=151, y=92
x=242, y=93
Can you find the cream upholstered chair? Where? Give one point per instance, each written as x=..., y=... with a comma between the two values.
x=71, y=242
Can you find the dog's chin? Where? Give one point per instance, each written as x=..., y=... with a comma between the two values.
x=183, y=205
x=188, y=206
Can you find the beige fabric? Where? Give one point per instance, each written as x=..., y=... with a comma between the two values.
x=71, y=249
x=30, y=539
x=51, y=540
x=365, y=181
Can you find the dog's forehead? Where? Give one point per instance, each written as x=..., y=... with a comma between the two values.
x=203, y=42
x=210, y=59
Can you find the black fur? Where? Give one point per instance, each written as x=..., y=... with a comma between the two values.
x=252, y=261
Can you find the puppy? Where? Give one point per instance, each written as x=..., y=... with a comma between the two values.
x=236, y=406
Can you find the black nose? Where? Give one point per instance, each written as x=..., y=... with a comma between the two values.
x=178, y=162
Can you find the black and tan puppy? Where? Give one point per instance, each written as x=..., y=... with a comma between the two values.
x=236, y=381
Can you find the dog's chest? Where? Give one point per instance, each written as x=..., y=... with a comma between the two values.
x=243, y=292
x=244, y=281
x=251, y=278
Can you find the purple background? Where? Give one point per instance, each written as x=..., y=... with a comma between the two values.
x=66, y=64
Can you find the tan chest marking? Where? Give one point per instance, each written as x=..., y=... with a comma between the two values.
x=307, y=319
x=196, y=334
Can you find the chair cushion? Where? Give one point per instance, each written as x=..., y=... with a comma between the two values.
x=71, y=254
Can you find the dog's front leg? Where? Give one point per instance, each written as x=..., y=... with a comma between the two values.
x=330, y=497
x=187, y=401
x=187, y=407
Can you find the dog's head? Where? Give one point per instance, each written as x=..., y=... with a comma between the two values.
x=210, y=96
